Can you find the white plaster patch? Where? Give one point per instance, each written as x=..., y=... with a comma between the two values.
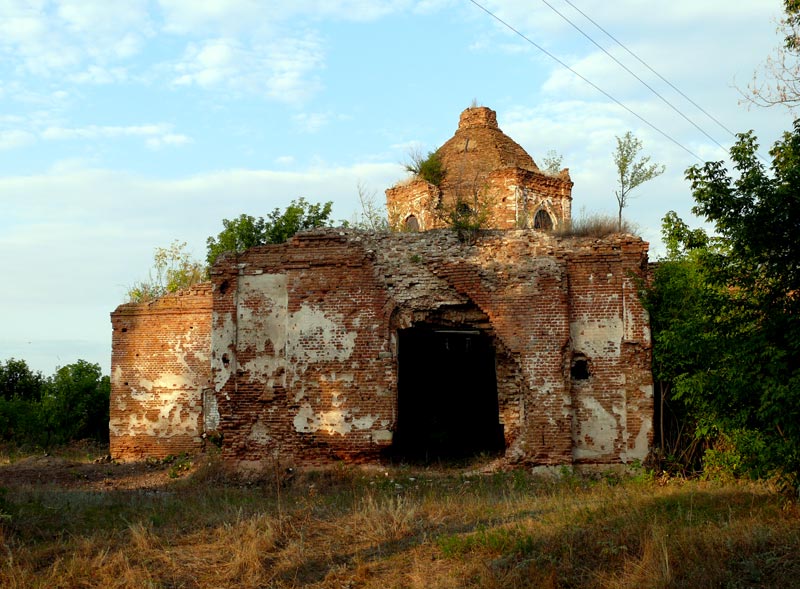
x=262, y=311
x=640, y=445
x=597, y=337
x=314, y=336
x=259, y=433
x=600, y=427
x=116, y=376
x=336, y=421
x=306, y=421
x=210, y=411
x=172, y=417
x=365, y=422
x=223, y=338
x=382, y=436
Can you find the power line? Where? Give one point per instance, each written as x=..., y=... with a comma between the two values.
x=631, y=72
x=592, y=84
x=645, y=64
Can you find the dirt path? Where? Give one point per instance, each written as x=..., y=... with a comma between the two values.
x=73, y=474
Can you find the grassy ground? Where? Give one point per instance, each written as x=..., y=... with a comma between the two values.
x=189, y=525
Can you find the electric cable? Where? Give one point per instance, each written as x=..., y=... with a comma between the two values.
x=592, y=84
x=631, y=72
x=645, y=64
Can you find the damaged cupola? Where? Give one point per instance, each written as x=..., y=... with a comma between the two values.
x=487, y=173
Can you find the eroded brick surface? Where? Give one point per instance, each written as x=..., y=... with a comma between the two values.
x=490, y=172
x=160, y=367
x=292, y=352
x=304, y=350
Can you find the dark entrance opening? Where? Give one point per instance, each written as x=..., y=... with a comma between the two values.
x=447, y=395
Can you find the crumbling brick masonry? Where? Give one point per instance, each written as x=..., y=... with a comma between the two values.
x=344, y=345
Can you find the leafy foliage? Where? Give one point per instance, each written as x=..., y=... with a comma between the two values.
x=173, y=269
x=725, y=314
x=467, y=218
x=71, y=404
x=552, y=163
x=373, y=216
x=631, y=172
x=428, y=167
x=779, y=83
x=76, y=403
x=246, y=231
x=18, y=381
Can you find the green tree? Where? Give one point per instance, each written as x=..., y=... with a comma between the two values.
x=682, y=315
x=779, y=81
x=373, y=217
x=18, y=381
x=428, y=167
x=20, y=394
x=76, y=403
x=631, y=172
x=246, y=231
x=552, y=162
x=726, y=322
x=173, y=269
x=71, y=404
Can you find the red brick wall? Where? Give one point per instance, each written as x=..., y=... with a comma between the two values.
x=304, y=348
x=489, y=171
x=613, y=407
x=159, y=369
x=301, y=353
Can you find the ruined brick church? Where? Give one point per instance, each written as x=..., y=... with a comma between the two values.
x=349, y=345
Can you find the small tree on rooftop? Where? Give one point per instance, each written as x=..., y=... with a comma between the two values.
x=373, y=216
x=246, y=231
x=428, y=167
x=631, y=172
x=551, y=163
x=173, y=269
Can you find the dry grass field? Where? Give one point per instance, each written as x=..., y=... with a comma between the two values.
x=66, y=521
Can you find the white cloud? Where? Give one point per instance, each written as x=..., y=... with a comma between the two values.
x=168, y=139
x=255, y=16
x=14, y=139
x=156, y=135
x=281, y=69
x=205, y=17
x=48, y=38
x=311, y=122
x=95, y=74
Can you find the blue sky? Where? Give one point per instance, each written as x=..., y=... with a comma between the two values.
x=127, y=124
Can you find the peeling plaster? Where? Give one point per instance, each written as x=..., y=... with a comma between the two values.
x=259, y=433
x=223, y=340
x=332, y=422
x=314, y=336
x=597, y=338
x=172, y=418
x=382, y=436
x=262, y=310
x=640, y=445
x=210, y=411
x=596, y=435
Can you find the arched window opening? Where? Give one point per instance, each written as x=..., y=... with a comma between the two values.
x=542, y=221
x=411, y=223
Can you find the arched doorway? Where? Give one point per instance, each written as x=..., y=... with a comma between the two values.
x=447, y=395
